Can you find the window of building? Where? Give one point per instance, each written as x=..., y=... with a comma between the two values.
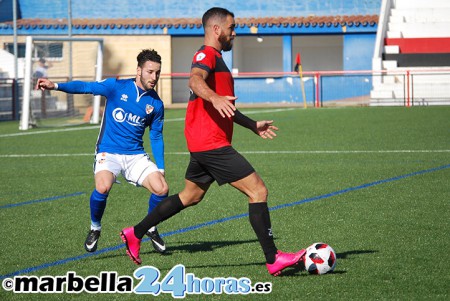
x=41, y=50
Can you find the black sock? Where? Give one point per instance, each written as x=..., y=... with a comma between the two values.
x=260, y=221
x=165, y=209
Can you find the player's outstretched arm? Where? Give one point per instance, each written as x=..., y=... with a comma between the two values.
x=265, y=129
x=78, y=87
x=45, y=84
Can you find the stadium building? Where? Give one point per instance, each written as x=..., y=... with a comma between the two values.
x=328, y=39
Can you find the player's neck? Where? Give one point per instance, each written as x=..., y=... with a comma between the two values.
x=213, y=43
x=140, y=89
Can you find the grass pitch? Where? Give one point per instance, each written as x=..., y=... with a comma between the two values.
x=374, y=183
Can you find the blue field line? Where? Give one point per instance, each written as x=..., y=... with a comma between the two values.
x=53, y=198
x=222, y=220
x=332, y=194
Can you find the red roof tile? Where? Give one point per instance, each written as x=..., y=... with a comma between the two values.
x=191, y=22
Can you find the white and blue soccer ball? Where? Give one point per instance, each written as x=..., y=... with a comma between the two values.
x=320, y=258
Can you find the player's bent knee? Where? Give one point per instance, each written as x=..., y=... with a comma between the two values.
x=259, y=194
x=161, y=191
x=190, y=200
x=103, y=189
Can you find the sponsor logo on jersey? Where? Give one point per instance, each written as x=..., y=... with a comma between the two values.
x=120, y=115
x=124, y=97
x=149, y=109
x=200, y=56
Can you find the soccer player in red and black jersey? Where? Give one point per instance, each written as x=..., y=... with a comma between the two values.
x=210, y=116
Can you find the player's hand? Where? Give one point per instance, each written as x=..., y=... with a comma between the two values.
x=265, y=129
x=44, y=84
x=224, y=105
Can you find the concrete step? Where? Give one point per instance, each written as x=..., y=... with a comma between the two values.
x=407, y=4
x=417, y=78
x=413, y=102
x=420, y=15
x=394, y=34
x=392, y=49
x=382, y=94
x=389, y=65
x=386, y=103
x=419, y=29
x=396, y=19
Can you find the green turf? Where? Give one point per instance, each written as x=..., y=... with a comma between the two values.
x=391, y=237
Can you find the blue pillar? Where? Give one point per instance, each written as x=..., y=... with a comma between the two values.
x=357, y=52
x=228, y=58
x=287, y=53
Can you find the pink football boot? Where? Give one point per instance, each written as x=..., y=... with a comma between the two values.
x=284, y=260
x=133, y=244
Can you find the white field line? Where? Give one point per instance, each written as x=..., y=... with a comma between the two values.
x=50, y=131
x=256, y=152
x=350, y=151
x=97, y=126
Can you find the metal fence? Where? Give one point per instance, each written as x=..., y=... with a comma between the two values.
x=311, y=89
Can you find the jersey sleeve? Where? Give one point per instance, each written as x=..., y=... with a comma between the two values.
x=204, y=60
x=96, y=88
x=156, y=138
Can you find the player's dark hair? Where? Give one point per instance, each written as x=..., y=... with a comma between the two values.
x=215, y=12
x=148, y=55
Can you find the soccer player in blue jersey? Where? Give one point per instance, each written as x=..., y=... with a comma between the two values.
x=132, y=105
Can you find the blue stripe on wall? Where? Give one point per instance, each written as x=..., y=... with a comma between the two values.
x=111, y=9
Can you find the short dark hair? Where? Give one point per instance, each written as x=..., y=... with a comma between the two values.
x=148, y=55
x=215, y=12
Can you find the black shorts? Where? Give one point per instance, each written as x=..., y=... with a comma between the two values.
x=224, y=165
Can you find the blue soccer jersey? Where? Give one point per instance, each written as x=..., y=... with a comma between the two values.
x=128, y=111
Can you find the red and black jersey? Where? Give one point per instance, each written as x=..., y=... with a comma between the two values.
x=205, y=129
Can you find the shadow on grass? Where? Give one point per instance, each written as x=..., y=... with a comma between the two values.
x=186, y=246
x=206, y=246
x=345, y=255
x=297, y=270
x=209, y=246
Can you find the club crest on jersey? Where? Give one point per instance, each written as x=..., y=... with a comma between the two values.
x=149, y=109
x=124, y=97
x=200, y=56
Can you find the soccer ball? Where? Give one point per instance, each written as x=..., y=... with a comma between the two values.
x=320, y=258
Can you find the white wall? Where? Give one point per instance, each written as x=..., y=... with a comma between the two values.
x=252, y=56
x=319, y=53
x=7, y=64
x=183, y=49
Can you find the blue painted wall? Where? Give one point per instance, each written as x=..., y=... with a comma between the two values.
x=89, y=9
x=358, y=51
x=6, y=11
x=332, y=88
x=259, y=90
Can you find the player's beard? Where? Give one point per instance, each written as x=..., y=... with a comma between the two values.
x=226, y=43
x=147, y=86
